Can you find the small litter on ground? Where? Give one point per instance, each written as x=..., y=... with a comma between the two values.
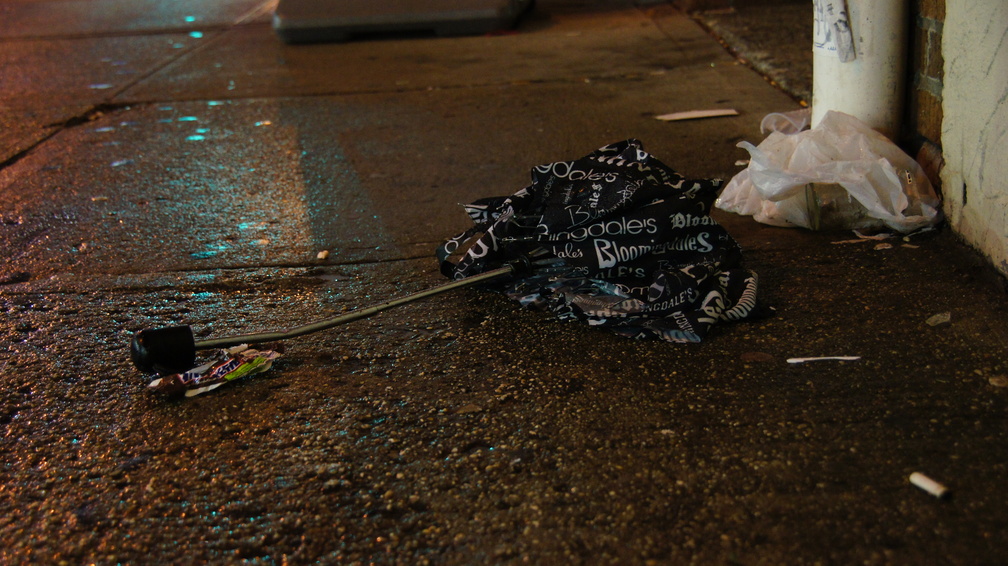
x=929, y=485
x=823, y=359
x=939, y=319
x=838, y=174
x=697, y=114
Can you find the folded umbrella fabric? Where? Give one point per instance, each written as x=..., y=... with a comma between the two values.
x=617, y=239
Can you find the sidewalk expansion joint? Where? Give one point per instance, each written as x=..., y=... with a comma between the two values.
x=124, y=33
x=290, y=265
x=22, y=283
x=301, y=265
x=90, y=115
x=94, y=113
x=587, y=80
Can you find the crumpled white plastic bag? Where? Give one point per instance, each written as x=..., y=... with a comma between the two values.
x=890, y=186
x=786, y=122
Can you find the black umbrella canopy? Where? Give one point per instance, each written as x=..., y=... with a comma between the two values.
x=619, y=240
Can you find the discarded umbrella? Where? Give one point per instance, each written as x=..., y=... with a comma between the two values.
x=616, y=239
x=173, y=349
x=629, y=244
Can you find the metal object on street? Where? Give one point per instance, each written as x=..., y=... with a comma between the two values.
x=172, y=349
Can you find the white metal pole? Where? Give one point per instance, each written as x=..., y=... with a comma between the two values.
x=869, y=84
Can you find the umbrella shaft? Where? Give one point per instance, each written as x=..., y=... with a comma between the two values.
x=351, y=316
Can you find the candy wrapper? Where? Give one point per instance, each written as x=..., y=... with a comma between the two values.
x=228, y=365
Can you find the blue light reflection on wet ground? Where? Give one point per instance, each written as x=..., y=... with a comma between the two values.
x=210, y=251
x=265, y=185
x=340, y=211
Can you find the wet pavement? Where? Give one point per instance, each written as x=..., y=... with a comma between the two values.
x=771, y=37
x=175, y=162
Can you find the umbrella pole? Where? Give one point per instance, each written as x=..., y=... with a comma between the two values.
x=173, y=349
x=226, y=342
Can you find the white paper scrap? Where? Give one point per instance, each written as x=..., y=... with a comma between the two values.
x=822, y=358
x=864, y=238
x=697, y=114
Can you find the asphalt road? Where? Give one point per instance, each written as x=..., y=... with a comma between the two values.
x=178, y=164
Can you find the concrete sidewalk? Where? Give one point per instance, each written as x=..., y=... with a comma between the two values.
x=176, y=163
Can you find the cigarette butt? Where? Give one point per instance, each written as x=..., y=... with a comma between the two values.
x=929, y=485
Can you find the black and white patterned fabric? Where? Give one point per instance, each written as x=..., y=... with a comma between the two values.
x=617, y=239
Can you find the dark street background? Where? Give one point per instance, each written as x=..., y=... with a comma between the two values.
x=166, y=163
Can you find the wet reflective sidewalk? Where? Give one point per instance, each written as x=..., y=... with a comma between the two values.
x=170, y=163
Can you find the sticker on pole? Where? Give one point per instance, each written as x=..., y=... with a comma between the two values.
x=832, y=31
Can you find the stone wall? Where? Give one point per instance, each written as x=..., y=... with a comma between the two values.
x=974, y=132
